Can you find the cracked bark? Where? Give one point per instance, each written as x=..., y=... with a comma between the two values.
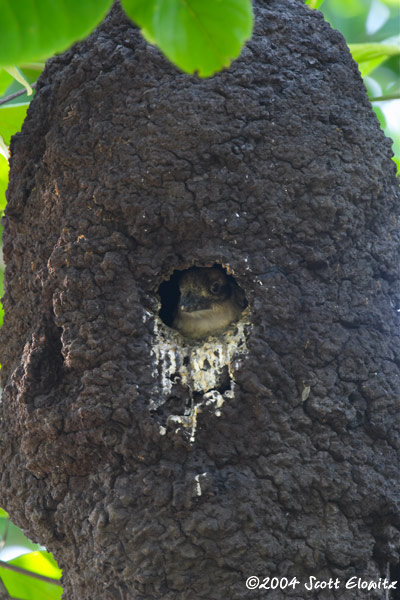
x=277, y=170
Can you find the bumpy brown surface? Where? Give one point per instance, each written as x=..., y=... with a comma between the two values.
x=276, y=168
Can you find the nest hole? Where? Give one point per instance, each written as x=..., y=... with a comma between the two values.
x=169, y=293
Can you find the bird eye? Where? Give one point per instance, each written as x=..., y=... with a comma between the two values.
x=215, y=288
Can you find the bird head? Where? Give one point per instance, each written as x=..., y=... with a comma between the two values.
x=203, y=288
x=209, y=301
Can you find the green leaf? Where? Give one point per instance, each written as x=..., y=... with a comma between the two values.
x=196, y=35
x=3, y=187
x=3, y=513
x=371, y=55
x=4, y=149
x=5, y=80
x=11, y=119
x=30, y=72
x=40, y=561
x=26, y=587
x=31, y=30
x=381, y=117
x=347, y=9
x=16, y=73
x=314, y=3
x=33, y=66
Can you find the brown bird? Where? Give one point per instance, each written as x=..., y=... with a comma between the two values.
x=209, y=301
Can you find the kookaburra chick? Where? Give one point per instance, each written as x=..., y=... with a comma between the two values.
x=209, y=301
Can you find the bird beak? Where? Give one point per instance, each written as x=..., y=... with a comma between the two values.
x=190, y=302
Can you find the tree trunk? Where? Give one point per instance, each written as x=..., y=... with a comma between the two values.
x=158, y=467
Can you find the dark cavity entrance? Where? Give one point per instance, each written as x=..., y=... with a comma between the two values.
x=169, y=293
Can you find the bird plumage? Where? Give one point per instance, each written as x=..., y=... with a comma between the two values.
x=209, y=301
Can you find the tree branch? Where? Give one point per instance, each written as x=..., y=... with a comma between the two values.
x=15, y=95
x=387, y=97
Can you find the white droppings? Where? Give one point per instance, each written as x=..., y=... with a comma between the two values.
x=213, y=397
x=146, y=316
x=198, y=486
x=199, y=367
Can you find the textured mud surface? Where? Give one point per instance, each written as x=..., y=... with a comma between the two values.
x=277, y=170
